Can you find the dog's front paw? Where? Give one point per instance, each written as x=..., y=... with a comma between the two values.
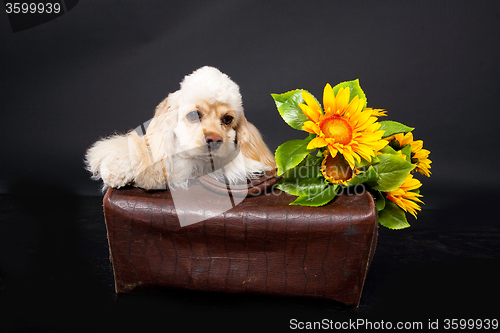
x=110, y=160
x=116, y=173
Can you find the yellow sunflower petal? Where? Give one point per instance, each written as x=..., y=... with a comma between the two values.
x=406, y=139
x=367, y=137
x=355, y=106
x=424, y=166
x=339, y=147
x=410, y=183
x=378, y=112
x=424, y=171
x=413, y=197
x=311, y=102
x=348, y=149
x=398, y=137
x=380, y=144
x=310, y=113
x=361, y=120
x=342, y=99
x=311, y=127
x=411, y=206
x=357, y=157
x=397, y=193
x=349, y=159
x=421, y=154
x=317, y=142
x=330, y=141
x=374, y=128
x=332, y=150
x=365, y=152
x=405, y=204
x=416, y=145
x=329, y=99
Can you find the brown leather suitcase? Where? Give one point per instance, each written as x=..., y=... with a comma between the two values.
x=261, y=245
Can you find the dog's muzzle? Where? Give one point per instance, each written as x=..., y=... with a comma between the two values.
x=214, y=141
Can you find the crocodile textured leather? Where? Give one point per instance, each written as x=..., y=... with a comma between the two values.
x=262, y=245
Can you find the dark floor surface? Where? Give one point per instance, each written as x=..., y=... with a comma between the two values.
x=55, y=275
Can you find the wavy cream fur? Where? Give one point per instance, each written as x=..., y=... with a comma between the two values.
x=174, y=149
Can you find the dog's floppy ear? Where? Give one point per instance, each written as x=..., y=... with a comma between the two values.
x=160, y=132
x=251, y=143
x=170, y=103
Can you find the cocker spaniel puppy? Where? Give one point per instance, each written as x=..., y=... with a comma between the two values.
x=199, y=129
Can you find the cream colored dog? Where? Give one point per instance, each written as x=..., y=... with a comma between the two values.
x=201, y=122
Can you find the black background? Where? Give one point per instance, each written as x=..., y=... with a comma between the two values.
x=102, y=68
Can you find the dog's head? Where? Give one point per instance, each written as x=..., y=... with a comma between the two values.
x=207, y=112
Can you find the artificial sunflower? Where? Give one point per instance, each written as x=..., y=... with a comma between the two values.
x=419, y=156
x=345, y=126
x=405, y=197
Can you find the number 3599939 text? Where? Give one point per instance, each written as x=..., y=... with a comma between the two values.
x=32, y=8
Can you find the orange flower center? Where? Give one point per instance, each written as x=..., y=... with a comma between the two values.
x=337, y=168
x=337, y=128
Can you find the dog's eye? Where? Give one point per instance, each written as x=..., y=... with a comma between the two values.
x=194, y=116
x=227, y=119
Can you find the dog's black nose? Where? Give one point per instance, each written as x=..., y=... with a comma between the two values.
x=214, y=141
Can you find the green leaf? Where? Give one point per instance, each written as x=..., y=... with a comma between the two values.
x=314, y=160
x=291, y=153
x=367, y=176
x=302, y=181
x=388, y=150
x=354, y=87
x=393, y=127
x=392, y=171
x=406, y=150
x=322, y=198
x=289, y=109
x=392, y=216
x=365, y=163
x=379, y=200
